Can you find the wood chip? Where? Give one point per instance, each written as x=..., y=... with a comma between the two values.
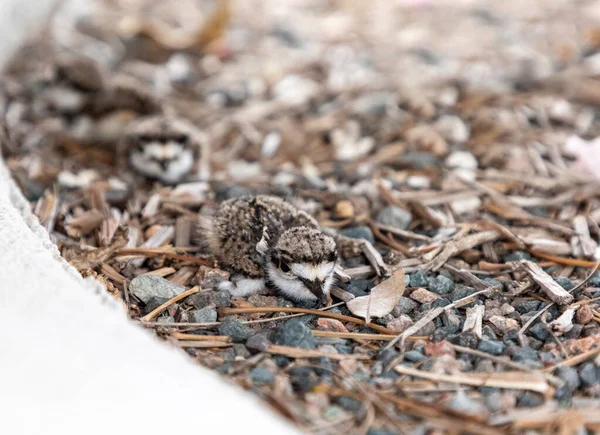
x=552, y=289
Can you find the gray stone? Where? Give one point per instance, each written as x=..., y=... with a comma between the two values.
x=362, y=232
x=148, y=286
x=153, y=303
x=381, y=432
x=396, y=217
x=259, y=342
x=489, y=333
x=461, y=291
x=295, y=333
x=420, y=160
x=530, y=400
x=261, y=376
x=493, y=347
x=570, y=376
x=588, y=373
x=441, y=302
x=524, y=354
x=517, y=256
x=219, y=299
x=441, y=285
x=540, y=332
x=594, y=281
x=466, y=339
x=414, y=356
x=348, y=403
x=565, y=282
x=418, y=279
x=235, y=329
x=463, y=403
x=404, y=306
x=166, y=319
x=523, y=305
x=386, y=356
x=203, y=315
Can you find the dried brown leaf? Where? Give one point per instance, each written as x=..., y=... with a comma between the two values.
x=382, y=299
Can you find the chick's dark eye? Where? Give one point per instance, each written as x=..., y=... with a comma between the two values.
x=284, y=267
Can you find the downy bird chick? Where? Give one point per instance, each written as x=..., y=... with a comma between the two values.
x=264, y=241
x=166, y=149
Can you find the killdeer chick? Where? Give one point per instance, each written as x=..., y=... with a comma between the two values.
x=166, y=149
x=264, y=241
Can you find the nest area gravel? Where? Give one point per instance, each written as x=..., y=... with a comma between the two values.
x=454, y=137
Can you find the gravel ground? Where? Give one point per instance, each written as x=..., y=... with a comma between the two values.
x=450, y=143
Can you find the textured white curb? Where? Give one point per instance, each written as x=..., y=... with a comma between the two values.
x=70, y=360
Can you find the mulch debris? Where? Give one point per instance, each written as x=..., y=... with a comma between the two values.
x=459, y=141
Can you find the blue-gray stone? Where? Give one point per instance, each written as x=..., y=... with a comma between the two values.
x=203, y=315
x=145, y=287
x=540, y=332
x=261, y=376
x=461, y=291
x=404, y=306
x=441, y=285
x=348, y=403
x=396, y=217
x=295, y=333
x=524, y=354
x=418, y=279
x=420, y=160
x=493, y=347
x=570, y=376
x=530, y=400
x=517, y=256
x=362, y=232
x=524, y=305
x=588, y=373
x=235, y=329
x=414, y=356
x=565, y=282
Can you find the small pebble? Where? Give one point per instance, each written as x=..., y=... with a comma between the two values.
x=584, y=315
x=404, y=306
x=325, y=324
x=235, y=329
x=525, y=305
x=348, y=403
x=530, y=400
x=145, y=287
x=588, y=373
x=442, y=348
x=219, y=299
x=400, y=324
x=463, y=403
x=414, y=356
x=362, y=232
x=259, y=342
x=423, y=296
x=540, y=332
x=570, y=376
x=517, y=256
x=441, y=285
x=565, y=282
x=418, y=279
x=524, y=354
x=460, y=292
x=203, y=315
x=493, y=347
x=395, y=217
x=295, y=333
x=261, y=376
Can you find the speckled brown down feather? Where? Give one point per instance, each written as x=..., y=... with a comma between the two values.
x=265, y=238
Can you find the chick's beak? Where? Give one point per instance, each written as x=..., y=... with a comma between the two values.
x=316, y=288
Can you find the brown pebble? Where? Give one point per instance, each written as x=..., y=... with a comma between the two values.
x=423, y=296
x=584, y=315
x=400, y=324
x=331, y=325
x=443, y=347
x=344, y=209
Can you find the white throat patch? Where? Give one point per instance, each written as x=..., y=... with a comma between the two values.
x=311, y=271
